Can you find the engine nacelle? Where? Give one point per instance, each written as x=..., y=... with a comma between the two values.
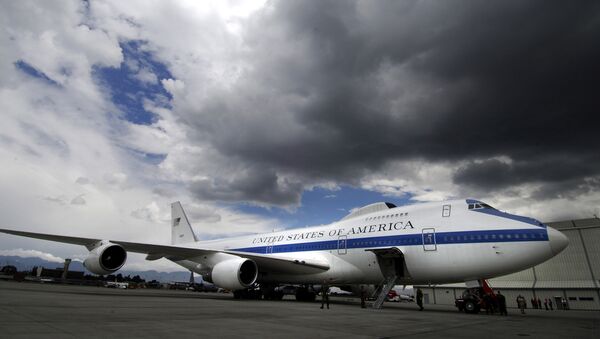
x=106, y=258
x=234, y=274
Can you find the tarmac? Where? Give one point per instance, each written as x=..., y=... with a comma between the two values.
x=33, y=310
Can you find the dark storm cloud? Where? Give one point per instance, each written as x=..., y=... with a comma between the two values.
x=256, y=184
x=339, y=89
x=559, y=171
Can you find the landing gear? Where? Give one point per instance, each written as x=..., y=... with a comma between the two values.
x=247, y=294
x=304, y=294
x=272, y=293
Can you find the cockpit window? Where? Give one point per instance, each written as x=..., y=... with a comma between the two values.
x=479, y=205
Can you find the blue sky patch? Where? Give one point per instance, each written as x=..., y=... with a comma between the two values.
x=137, y=79
x=323, y=206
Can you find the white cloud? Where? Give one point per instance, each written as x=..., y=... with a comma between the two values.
x=146, y=76
x=68, y=167
x=19, y=252
x=78, y=200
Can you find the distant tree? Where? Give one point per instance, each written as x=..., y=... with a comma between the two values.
x=9, y=269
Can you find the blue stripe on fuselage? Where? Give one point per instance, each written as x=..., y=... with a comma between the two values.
x=441, y=238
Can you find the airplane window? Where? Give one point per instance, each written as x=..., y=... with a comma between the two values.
x=471, y=206
x=508, y=236
x=517, y=236
x=486, y=206
x=525, y=236
x=493, y=236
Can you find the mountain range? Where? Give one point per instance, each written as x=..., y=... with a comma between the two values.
x=27, y=264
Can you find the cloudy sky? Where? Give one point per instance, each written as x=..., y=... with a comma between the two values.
x=261, y=115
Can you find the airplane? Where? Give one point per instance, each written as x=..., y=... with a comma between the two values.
x=454, y=241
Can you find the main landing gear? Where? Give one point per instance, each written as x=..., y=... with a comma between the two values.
x=269, y=292
x=305, y=294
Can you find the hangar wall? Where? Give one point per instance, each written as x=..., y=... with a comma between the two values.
x=574, y=274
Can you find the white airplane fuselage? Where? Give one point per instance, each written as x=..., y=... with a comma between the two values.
x=453, y=241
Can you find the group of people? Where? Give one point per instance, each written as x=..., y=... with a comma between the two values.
x=536, y=303
x=493, y=303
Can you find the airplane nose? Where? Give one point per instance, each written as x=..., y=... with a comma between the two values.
x=558, y=241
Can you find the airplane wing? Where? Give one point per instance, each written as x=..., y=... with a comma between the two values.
x=155, y=251
x=87, y=242
x=166, y=250
x=274, y=263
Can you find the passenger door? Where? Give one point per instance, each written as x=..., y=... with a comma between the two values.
x=343, y=244
x=429, y=243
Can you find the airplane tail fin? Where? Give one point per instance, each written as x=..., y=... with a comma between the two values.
x=181, y=230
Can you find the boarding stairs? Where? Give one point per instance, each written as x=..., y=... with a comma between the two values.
x=388, y=283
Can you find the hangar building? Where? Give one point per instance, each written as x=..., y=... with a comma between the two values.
x=573, y=274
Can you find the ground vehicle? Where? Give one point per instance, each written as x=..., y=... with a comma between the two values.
x=114, y=284
x=393, y=296
x=473, y=300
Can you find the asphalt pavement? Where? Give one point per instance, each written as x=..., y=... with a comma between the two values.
x=33, y=310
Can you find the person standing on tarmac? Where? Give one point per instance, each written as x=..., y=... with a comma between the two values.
x=501, y=303
x=486, y=303
x=420, y=299
x=324, y=294
x=521, y=303
x=363, y=296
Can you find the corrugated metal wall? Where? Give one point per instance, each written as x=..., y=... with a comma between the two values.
x=591, y=239
x=569, y=269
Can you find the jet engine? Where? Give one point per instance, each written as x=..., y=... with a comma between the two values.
x=234, y=274
x=106, y=258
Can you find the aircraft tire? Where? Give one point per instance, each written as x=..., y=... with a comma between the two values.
x=471, y=307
